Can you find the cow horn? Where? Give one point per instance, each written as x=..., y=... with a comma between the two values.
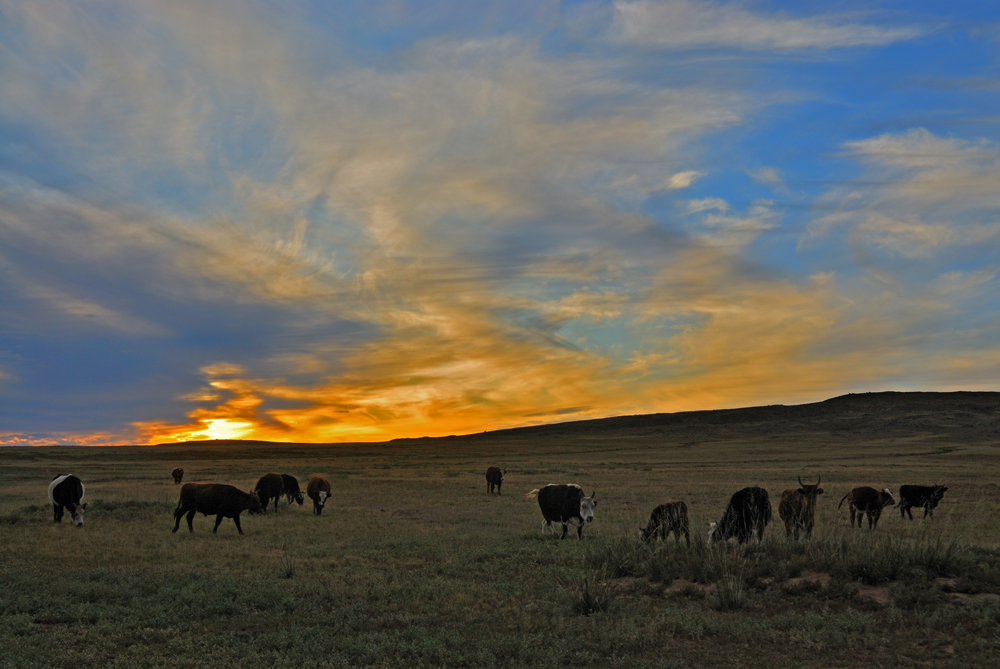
x=801, y=484
x=593, y=494
x=818, y=479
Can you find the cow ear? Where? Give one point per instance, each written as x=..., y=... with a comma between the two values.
x=819, y=491
x=84, y=505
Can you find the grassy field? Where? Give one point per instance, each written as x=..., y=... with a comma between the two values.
x=414, y=564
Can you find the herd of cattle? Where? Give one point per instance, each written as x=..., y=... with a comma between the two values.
x=748, y=511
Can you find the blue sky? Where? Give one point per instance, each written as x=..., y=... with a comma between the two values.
x=359, y=221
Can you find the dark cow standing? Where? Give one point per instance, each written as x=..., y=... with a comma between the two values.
x=667, y=518
x=178, y=475
x=291, y=488
x=269, y=486
x=564, y=503
x=797, y=508
x=219, y=499
x=749, y=510
x=867, y=501
x=318, y=490
x=926, y=496
x=494, y=477
x=65, y=492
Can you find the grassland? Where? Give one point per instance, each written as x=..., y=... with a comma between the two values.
x=414, y=564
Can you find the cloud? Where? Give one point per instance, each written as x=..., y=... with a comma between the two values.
x=683, y=179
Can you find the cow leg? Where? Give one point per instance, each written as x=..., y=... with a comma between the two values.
x=565, y=529
x=190, y=519
x=178, y=514
x=236, y=519
x=57, y=513
x=927, y=510
x=218, y=521
x=498, y=488
x=276, y=503
x=545, y=526
x=579, y=531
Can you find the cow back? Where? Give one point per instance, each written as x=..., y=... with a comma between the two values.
x=270, y=485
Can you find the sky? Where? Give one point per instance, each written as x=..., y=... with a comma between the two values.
x=358, y=221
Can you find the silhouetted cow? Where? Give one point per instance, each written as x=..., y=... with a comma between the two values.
x=224, y=501
x=318, y=490
x=269, y=487
x=65, y=492
x=749, y=510
x=919, y=495
x=291, y=487
x=178, y=475
x=667, y=518
x=564, y=503
x=494, y=477
x=797, y=508
x=867, y=501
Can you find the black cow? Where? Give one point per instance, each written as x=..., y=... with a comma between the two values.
x=291, y=487
x=867, y=501
x=564, y=503
x=318, y=490
x=919, y=495
x=225, y=501
x=65, y=492
x=797, y=508
x=494, y=477
x=269, y=486
x=749, y=510
x=178, y=475
x=667, y=518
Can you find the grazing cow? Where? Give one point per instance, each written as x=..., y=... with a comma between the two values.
x=494, y=477
x=65, y=492
x=269, y=486
x=919, y=495
x=291, y=488
x=318, y=490
x=749, y=509
x=564, y=503
x=797, y=508
x=867, y=501
x=178, y=475
x=667, y=518
x=225, y=501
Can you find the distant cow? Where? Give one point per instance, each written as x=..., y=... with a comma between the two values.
x=867, y=501
x=65, y=492
x=667, y=518
x=224, y=501
x=291, y=488
x=269, y=487
x=318, y=490
x=797, y=508
x=178, y=475
x=494, y=477
x=749, y=509
x=564, y=503
x=920, y=495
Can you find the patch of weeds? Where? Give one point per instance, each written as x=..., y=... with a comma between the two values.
x=803, y=587
x=594, y=594
x=287, y=566
x=915, y=595
x=730, y=593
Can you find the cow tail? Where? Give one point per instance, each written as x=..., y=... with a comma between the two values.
x=842, y=501
x=533, y=494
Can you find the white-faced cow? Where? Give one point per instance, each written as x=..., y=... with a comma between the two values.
x=318, y=490
x=667, y=518
x=564, y=503
x=291, y=488
x=749, y=510
x=269, y=487
x=797, y=508
x=867, y=501
x=65, y=492
x=494, y=477
x=178, y=475
x=919, y=496
x=218, y=499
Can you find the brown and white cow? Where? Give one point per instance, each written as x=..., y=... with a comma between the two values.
x=667, y=518
x=494, y=477
x=867, y=501
x=318, y=490
x=178, y=475
x=218, y=499
x=65, y=492
x=797, y=508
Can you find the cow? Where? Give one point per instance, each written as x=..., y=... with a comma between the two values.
x=65, y=492
x=867, y=501
x=919, y=495
x=225, y=501
x=494, y=477
x=291, y=488
x=178, y=475
x=667, y=518
x=564, y=503
x=797, y=508
x=318, y=490
x=749, y=510
x=269, y=486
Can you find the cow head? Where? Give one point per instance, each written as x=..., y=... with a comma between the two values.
x=253, y=504
x=321, y=497
x=587, y=505
x=76, y=514
x=299, y=497
x=885, y=498
x=809, y=492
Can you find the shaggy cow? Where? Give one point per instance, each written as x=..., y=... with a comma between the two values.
x=65, y=492
x=919, y=495
x=318, y=490
x=867, y=501
x=494, y=477
x=178, y=474
x=291, y=488
x=269, y=486
x=667, y=518
x=564, y=503
x=749, y=509
x=797, y=508
x=224, y=501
